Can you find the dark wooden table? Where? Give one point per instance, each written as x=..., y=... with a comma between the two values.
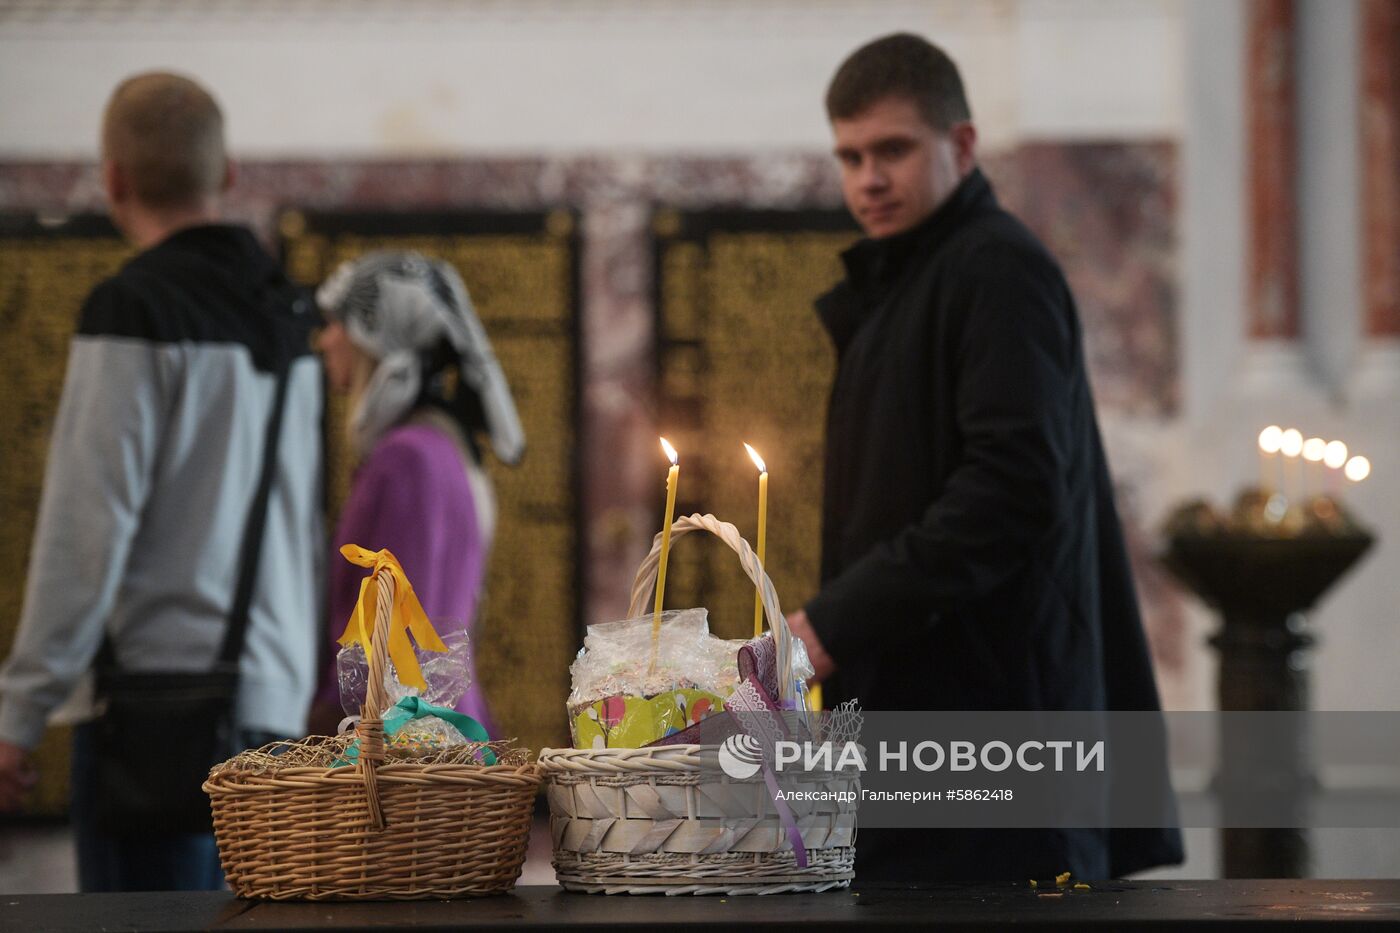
x=1161, y=906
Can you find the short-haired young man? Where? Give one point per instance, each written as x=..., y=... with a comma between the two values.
x=971, y=554
x=156, y=454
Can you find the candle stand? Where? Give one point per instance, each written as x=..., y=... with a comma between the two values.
x=1261, y=586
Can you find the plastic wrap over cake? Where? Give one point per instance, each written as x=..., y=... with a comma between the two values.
x=447, y=675
x=620, y=699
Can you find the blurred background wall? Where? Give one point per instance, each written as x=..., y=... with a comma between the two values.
x=1121, y=131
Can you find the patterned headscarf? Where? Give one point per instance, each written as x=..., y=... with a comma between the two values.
x=398, y=307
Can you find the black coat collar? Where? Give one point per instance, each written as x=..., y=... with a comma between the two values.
x=874, y=266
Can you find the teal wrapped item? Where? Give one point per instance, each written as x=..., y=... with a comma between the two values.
x=413, y=707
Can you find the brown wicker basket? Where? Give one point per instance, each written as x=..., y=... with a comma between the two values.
x=380, y=829
x=669, y=820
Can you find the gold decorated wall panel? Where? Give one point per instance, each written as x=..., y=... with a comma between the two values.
x=743, y=358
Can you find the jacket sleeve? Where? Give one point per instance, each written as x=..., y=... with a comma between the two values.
x=102, y=454
x=1017, y=353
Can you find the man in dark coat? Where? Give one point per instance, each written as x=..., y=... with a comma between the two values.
x=972, y=557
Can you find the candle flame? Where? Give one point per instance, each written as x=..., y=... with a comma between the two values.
x=1358, y=468
x=757, y=460
x=1313, y=449
x=1270, y=438
x=1335, y=455
x=670, y=451
x=1291, y=443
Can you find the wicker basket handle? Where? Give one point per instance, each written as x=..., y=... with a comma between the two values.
x=644, y=586
x=370, y=730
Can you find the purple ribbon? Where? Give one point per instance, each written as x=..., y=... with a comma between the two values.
x=757, y=670
x=785, y=817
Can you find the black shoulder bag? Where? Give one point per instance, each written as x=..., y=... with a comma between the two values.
x=159, y=733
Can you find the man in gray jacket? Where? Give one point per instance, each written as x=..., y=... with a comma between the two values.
x=154, y=459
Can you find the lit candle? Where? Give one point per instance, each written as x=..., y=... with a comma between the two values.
x=672, y=478
x=1334, y=458
x=1291, y=446
x=762, y=537
x=1313, y=450
x=1269, y=440
x=1358, y=468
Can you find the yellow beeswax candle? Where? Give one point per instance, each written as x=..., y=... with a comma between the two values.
x=1270, y=439
x=1334, y=457
x=1313, y=450
x=672, y=479
x=762, y=537
x=1291, y=445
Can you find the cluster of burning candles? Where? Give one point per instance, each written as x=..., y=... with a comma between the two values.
x=1290, y=463
x=672, y=479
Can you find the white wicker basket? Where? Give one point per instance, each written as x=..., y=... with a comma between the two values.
x=668, y=819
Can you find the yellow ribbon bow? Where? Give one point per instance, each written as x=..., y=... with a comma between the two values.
x=408, y=615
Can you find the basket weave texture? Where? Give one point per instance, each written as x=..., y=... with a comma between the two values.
x=289, y=826
x=668, y=819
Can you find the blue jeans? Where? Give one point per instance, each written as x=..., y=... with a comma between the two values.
x=152, y=861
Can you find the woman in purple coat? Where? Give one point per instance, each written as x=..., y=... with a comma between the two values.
x=404, y=342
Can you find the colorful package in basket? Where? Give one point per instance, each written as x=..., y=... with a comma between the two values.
x=621, y=700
